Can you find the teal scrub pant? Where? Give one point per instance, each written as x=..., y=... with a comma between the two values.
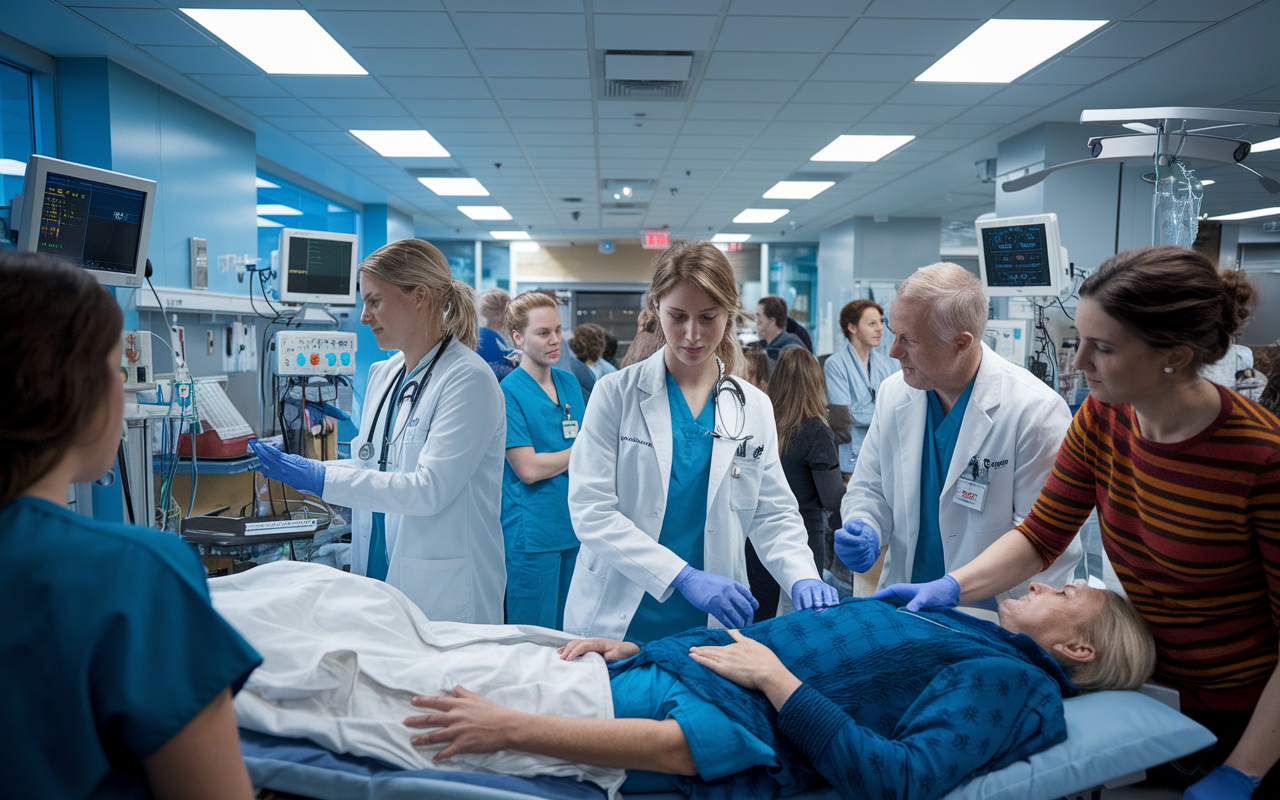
x=537, y=586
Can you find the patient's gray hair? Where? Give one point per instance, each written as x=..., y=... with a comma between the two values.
x=1124, y=649
x=954, y=296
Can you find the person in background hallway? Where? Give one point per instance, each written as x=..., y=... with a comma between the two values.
x=756, y=366
x=544, y=411
x=1185, y=477
x=807, y=449
x=647, y=342
x=492, y=347
x=588, y=344
x=119, y=672
x=854, y=372
x=610, y=351
x=801, y=333
x=771, y=322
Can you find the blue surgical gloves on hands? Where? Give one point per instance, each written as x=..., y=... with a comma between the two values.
x=1224, y=783
x=944, y=592
x=812, y=593
x=857, y=545
x=723, y=598
x=303, y=474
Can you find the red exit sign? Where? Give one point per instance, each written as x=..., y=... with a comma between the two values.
x=655, y=240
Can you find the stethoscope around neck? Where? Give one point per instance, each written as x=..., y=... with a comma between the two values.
x=728, y=383
x=415, y=389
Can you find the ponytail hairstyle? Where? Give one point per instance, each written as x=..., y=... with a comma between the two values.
x=517, y=319
x=413, y=263
x=705, y=266
x=60, y=328
x=1170, y=296
x=799, y=392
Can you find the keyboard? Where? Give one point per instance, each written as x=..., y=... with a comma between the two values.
x=217, y=411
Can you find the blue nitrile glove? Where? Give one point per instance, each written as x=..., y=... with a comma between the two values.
x=813, y=593
x=1224, y=783
x=303, y=474
x=721, y=597
x=942, y=593
x=857, y=545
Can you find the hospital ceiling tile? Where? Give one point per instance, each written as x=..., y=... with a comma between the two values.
x=555, y=163
x=493, y=152
x=1076, y=9
x=652, y=32
x=781, y=34
x=452, y=108
x=523, y=125
x=711, y=153
x=933, y=37
x=986, y=114
x=307, y=86
x=533, y=63
x=456, y=138
x=963, y=130
x=389, y=28
x=323, y=137
x=545, y=6
x=438, y=88
x=331, y=5
x=1073, y=71
x=731, y=127
x=689, y=139
x=932, y=144
x=241, y=85
x=630, y=167
x=1027, y=94
x=761, y=66
x=799, y=8
x=911, y=113
x=845, y=91
x=562, y=109
x=271, y=106
x=543, y=152
x=820, y=112
x=338, y=150
x=148, y=26
x=809, y=131
x=664, y=141
x=628, y=109
x=936, y=9
x=464, y=124
x=557, y=139
x=541, y=88
x=745, y=111
x=374, y=123
x=1137, y=39
x=519, y=31
x=310, y=123
x=753, y=91
x=205, y=60
x=357, y=107
x=647, y=125
x=913, y=157
x=890, y=128
x=878, y=68
x=425, y=163
x=415, y=61
x=1190, y=10
x=944, y=93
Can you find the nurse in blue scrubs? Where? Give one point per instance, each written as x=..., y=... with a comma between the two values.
x=544, y=410
x=118, y=673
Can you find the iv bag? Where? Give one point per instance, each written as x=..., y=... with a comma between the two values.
x=1175, y=207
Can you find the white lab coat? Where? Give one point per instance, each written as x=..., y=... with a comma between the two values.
x=618, y=478
x=441, y=492
x=1013, y=424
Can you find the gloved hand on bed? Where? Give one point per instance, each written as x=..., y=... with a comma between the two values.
x=303, y=474
x=942, y=593
x=1224, y=783
x=812, y=593
x=857, y=545
x=723, y=598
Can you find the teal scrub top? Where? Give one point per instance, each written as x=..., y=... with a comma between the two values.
x=111, y=647
x=940, y=435
x=535, y=516
x=685, y=522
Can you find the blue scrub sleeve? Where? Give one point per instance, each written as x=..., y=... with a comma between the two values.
x=165, y=654
x=517, y=426
x=838, y=390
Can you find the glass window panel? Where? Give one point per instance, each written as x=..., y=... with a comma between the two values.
x=17, y=138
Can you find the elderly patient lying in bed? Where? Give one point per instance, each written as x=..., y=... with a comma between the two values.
x=875, y=700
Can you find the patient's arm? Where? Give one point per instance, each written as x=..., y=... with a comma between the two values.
x=611, y=649
x=203, y=759
x=472, y=724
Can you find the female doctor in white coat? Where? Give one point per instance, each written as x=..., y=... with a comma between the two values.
x=426, y=476
x=675, y=466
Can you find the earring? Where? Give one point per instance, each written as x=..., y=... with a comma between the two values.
x=1168, y=369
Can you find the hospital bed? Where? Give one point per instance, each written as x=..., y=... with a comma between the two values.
x=1111, y=738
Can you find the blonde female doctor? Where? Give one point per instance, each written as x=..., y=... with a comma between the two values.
x=675, y=467
x=427, y=466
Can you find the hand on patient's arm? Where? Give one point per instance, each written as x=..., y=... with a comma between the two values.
x=203, y=759
x=470, y=723
x=751, y=665
x=611, y=649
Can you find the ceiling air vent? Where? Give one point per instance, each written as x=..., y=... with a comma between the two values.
x=646, y=90
x=624, y=209
x=645, y=75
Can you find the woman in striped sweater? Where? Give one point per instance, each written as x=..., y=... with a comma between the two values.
x=1185, y=475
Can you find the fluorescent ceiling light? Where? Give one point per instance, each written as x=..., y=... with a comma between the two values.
x=860, y=148
x=9, y=166
x=402, y=144
x=266, y=184
x=455, y=187
x=509, y=234
x=1257, y=212
x=1208, y=182
x=525, y=247
x=277, y=210
x=753, y=215
x=1266, y=145
x=266, y=223
x=1003, y=50
x=485, y=212
x=730, y=237
x=797, y=190
x=281, y=42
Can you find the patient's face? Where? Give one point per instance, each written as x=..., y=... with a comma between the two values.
x=1051, y=616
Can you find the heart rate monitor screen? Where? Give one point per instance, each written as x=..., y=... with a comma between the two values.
x=1016, y=256
x=319, y=266
x=94, y=225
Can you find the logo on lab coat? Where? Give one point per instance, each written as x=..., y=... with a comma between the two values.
x=759, y=452
x=989, y=464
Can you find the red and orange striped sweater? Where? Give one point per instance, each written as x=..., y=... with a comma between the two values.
x=1193, y=531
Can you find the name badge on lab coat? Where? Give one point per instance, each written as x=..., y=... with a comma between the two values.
x=971, y=493
x=570, y=428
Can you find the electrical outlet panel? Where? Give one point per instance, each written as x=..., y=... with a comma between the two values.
x=135, y=360
x=315, y=353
